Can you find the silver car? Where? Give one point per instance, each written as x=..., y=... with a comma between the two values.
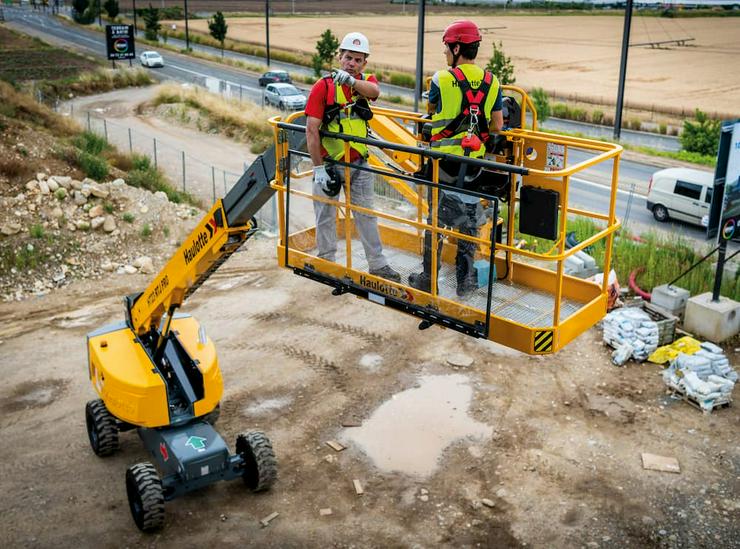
x=285, y=96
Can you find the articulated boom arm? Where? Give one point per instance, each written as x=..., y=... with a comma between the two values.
x=219, y=234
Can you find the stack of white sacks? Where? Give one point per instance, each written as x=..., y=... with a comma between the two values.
x=705, y=376
x=631, y=332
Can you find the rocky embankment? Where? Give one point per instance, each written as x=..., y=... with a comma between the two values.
x=58, y=229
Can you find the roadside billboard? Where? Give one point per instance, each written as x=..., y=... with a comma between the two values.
x=119, y=41
x=724, y=213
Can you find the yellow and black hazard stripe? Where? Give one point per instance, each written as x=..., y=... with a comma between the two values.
x=543, y=340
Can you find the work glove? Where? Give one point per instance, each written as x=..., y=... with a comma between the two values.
x=343, y=77
x=321, y=177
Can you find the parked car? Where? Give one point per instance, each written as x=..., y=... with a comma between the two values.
x=151, y=59
x=680, y=193
x=285, y=96
x=274, y=76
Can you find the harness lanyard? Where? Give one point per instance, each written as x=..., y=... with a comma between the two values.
x=472, y=127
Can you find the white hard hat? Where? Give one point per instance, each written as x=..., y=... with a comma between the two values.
x=355, y=41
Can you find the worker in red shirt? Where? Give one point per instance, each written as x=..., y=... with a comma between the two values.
x=339, y=103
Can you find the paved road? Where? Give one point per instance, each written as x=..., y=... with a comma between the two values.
x=587, y=190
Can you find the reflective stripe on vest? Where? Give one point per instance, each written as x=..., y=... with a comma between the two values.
x=346, y=122
x=451, y=99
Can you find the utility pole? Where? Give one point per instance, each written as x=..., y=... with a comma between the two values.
x=419, y=55
x=267, y=29
x=135, y=29
x=623, y=70
x=187, y=29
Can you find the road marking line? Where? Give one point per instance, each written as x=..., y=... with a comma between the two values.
x=619, y=191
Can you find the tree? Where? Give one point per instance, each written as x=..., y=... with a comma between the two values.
x=111, y=8
x=541, y=103
x=218, y=28
x=701, y=136
x=501, y=65
x=80, y=11
x=326, y=49
x=151, y=23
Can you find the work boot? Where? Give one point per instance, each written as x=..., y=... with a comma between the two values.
x=388, y=273
x=421, y=281
x=466, y=286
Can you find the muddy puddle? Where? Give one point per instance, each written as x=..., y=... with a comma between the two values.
x=410, y=432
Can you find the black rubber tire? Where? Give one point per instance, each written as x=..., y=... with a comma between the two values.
x=660, y=213
x=102, y=428
x=260, y=465
x=212, y=416
x=281, y=106
x=145, y=496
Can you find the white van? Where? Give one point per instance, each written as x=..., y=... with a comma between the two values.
x=680, y=193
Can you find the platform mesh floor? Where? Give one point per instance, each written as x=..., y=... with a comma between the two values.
x=509, y=300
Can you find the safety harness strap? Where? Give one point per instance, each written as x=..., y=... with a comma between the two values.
x=472, y=102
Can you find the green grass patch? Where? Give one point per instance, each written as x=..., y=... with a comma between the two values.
x=146, y=231
x=146, y=176
x=128, y=217
x=37, y=231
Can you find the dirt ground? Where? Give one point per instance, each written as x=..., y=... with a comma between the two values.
x=571, y=56
x=561, y=465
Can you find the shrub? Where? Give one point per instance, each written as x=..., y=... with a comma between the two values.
x=560, y=110
x=579, y=114
x=91, y=143
x=13, y=167
x=635, y=124
x=701, y=136
x=597, y=117
x=541, y=103
x=402, y=79
x=662, y=128
x=93, y=166
x=501, y=65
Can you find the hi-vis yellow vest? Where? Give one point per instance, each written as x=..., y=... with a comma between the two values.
x=451, y=98
x=346, y=122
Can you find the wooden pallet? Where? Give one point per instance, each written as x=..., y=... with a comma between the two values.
x=677, y=391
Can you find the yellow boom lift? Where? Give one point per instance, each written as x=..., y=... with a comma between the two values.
x=157, y=371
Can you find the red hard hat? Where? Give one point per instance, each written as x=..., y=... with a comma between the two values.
x=463, y=31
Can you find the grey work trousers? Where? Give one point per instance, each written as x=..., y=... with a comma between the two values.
x=361, y=194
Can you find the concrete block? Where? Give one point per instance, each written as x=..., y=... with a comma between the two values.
x=671, y=298
x=713, y=321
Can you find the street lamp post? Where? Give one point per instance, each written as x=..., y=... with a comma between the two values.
x=623, y=70
x=187, y=29
x=135, y=29
x=419, y=55
x=267, y=29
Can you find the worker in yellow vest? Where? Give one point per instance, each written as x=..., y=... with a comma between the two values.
x=466, y=105
x=339, y=103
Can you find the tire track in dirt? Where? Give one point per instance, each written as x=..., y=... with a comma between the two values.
x=368, y=336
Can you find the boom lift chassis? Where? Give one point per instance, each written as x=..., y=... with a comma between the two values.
x=157, y=372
